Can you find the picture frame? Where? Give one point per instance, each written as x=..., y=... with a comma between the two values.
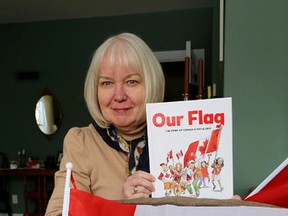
x=59, y=158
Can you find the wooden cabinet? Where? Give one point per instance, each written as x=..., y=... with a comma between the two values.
x=34, y=187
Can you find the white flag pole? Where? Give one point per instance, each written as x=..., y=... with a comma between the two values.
x=66, y=199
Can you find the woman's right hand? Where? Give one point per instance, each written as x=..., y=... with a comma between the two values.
x=138, y=185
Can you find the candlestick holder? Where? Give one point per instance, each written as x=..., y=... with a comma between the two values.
x=185, y=96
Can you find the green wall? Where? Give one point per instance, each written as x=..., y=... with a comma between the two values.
x=61, y=51
x=256, y=75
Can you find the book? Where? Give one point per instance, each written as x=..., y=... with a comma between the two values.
x=190, y=148
x=274, y=189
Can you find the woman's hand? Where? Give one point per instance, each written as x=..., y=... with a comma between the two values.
x=140, y=184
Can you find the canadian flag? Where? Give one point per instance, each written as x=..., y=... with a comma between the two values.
x=85, y=204
x=274, y=189
x=80, y=203
x=191, y=152
x=211, y=145
x=214, y=140
x=169, y=156
x=179, y=154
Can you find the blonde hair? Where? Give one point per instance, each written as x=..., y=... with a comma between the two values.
x=132, y=51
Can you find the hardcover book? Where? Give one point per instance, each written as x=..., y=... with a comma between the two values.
x=190, y=148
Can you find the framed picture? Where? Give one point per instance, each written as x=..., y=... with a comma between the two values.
x=59, y=157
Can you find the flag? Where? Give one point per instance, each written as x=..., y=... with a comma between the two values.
x=203, y=147
x=86, y=204
x=170, y=154
x=274, y=189
x=79, y=203
x=83, y=203
x=210, y=145
x=179, y=154
x=213, y=142
x=190, y=153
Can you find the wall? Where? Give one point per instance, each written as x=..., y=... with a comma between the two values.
x=256, y=74
x=61, y=52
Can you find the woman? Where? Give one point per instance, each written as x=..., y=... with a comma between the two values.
x=110, y=156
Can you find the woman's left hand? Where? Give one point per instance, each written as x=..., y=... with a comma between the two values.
x=138, y=185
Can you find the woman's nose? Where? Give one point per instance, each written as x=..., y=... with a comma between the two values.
x=120, y=93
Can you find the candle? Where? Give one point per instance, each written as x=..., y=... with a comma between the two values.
x=187, y=70
x=186, y=76
x=208, y=92
x=214, y=90
x=200, y=78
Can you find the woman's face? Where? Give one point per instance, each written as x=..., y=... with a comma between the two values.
x=120, y=95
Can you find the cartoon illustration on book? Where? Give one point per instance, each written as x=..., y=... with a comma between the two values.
x=216, y=172
x=189, y=173
x=166, y=177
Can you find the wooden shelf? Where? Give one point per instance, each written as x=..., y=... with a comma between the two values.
x=34, y=187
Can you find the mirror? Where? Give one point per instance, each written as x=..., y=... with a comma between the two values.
x=48, y=114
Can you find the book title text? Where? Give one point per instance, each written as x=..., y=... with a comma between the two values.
x=193, y=117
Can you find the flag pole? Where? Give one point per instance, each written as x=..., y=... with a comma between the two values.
x=66, y=199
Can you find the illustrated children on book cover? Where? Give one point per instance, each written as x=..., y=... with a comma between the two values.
x=190, y=148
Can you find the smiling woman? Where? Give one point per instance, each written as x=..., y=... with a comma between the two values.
x=110, y=156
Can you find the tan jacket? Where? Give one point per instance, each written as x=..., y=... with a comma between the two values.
x=97, y=168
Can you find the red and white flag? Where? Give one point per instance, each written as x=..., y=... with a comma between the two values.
x=169, y=156
x=179, y=154
x=211, y=145
x=274, y=189
x=214, y=140
x=80, y=203
x=191, y=153
x=83, y=203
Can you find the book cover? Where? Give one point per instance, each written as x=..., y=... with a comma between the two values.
x=190, y=148
x=274, y=189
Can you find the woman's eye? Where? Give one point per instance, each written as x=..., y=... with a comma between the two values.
x=106, y=83
x=132, y=82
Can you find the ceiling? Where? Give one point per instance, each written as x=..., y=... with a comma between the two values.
x=18, y=11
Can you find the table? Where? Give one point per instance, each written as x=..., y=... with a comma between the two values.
x=39, y=195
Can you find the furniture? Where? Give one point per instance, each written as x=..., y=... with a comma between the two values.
x=34, y=187
x=4, y=195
